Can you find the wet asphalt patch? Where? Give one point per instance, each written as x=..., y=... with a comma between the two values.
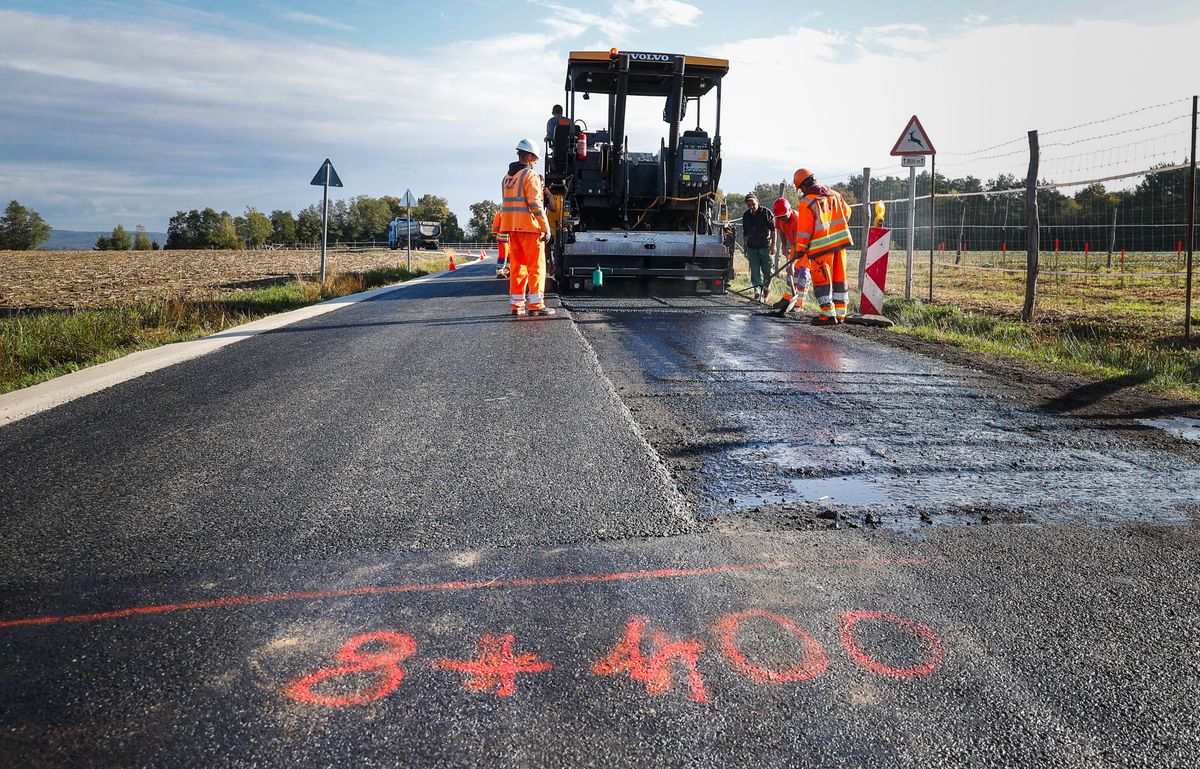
x=789, y=425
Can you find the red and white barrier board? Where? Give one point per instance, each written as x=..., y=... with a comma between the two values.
x=879, y=242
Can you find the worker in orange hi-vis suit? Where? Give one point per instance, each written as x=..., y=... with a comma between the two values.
x=501, y=247
x=785, y=224
x=823, y=235
x=523, y=219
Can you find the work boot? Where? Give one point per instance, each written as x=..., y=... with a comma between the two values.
x=519, y=312
x=543, y=312
x=824, y=320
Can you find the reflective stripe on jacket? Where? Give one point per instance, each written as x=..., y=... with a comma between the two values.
x=521, y=210
x=823, y=225
x=501, y=235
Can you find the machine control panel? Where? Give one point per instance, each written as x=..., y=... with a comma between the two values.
x=694, y=162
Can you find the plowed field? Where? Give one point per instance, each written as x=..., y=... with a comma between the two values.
x=60, y=279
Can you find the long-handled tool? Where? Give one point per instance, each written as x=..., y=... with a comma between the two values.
x=774, y=275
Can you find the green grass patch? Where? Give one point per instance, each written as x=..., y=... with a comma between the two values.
x=1099, y=350
x=38, y=346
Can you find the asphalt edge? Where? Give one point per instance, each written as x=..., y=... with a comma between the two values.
x=27, y=401
x=676, y=502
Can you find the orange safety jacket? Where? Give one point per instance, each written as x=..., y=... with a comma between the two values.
x=786, y=227
x=500, y=235
x=522, y=209
x=823, y=225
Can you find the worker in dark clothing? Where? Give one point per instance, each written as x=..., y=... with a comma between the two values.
x=729, y=239
x=758, y=230
x=556, y=115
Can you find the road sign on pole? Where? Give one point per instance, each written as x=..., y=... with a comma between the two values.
x=325, y=178
x=409, y=202
x=913, y=143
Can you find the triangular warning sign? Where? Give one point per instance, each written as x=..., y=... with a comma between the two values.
x=320, y=179
x=914, y=140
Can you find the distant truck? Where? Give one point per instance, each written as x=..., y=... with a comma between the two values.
x=424, y=234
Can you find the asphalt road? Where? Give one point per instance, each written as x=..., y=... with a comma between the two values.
x=418, y=532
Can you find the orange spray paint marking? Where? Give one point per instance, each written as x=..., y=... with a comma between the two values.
x=496, y=667
x=653, y=671
x=384, y=663
x=490, y=584
x=933, y=659
x=813, y=664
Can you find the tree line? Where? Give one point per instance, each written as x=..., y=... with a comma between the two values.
x=359, y=219
x=362, y=218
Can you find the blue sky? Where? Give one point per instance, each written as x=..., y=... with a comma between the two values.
x=123, y=112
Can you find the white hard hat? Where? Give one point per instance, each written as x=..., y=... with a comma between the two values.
x=526, y=146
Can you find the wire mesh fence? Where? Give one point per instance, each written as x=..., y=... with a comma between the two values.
x=1113, y=199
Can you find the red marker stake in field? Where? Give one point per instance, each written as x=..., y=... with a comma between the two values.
x=496, y=668
x=935, y=654
x=382, y=662
x=654, y=670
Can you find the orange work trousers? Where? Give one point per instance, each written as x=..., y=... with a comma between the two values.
x=527, y=270
x=829, y=282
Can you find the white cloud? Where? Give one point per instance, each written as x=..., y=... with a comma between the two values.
x=211, y=115
x=971, y=89
x=659, y=14
x=312, y=18
x=567, y=22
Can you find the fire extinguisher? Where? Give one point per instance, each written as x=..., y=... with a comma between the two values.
x=581, y=146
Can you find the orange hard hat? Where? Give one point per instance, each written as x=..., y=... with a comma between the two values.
x=782, y=207
x=800, y=176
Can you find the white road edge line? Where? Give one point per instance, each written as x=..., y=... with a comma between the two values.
x=44, y=396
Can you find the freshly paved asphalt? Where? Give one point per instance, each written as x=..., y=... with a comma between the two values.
x=428, y=467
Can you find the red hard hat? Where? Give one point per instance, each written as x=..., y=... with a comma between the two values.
x=782, y=207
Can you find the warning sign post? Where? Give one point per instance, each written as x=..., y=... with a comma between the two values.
x=913, y=143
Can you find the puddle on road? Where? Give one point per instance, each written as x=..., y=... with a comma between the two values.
x=1181, y=428
x=841, y=491
x=911, y=500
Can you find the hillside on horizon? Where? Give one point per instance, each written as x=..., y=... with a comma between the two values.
x=85, y=240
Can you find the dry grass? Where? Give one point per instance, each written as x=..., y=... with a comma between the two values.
x=41, y=344
x=1132, y=307
x=66, y=279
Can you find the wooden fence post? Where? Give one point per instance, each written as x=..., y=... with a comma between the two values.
x=932, y=217
x=1191, y=228
x=962, y=223
x=866, y=233
x=1112, y=236
x=1033, y=241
